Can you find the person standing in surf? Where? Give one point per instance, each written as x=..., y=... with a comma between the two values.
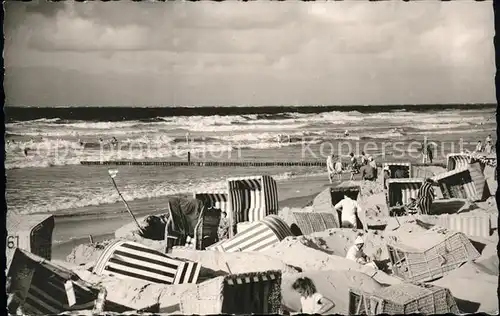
x=330, y=168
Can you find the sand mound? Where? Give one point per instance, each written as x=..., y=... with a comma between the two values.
x=474, y=289
x=334, y=285
x=238, y=262
x=137, y=294
x=86, y=253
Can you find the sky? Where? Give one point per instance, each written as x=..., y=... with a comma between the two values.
x=256, y=53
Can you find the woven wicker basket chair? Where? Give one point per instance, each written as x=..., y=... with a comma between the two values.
x=40, y=287
x=32, y=233
x=248, y=293
x=426, y=256
x=312, y=222
x=405, y=298
x=459, y=183
x=400, y=191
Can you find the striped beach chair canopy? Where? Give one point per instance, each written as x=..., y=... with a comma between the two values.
x=400, y=191
x=131, y=260
x=32, y=233
x=216, y=199
x=457, y=161
x=393, y=166
x=43, y=288
x=242, y=294
x=258, y=236
x=458, y=183
x=252, y=198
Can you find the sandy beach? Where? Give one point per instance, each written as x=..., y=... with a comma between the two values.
x=74, y=226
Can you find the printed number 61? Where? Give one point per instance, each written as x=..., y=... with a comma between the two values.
x=12, y=242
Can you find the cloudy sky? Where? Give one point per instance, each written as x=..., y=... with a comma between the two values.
x=257, y=53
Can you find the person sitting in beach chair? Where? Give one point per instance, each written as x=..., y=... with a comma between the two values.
x=311, y=301
x=223, y=230
x=425, y=197
x=356, y=253
x=387, y=175
x=349, y=212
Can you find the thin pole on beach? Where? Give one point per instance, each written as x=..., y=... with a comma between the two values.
x=112, y=174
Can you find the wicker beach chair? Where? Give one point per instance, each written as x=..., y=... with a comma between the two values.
x=458, y=183
x=32, y=233
x=40, y=287
x=207, y=227
x=258, y=236
x=394, y=166
x=401, y=299
x=425, y=256
x=131, y=260
x=311, y=222
x=248, y=293
x=251, y=199
x=457, y=161
x=400, y=192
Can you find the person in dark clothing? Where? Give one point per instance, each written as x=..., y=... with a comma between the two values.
x=425, y=197
x=400, y=174
x=354, y=166
x=429, y=153
x=368, y=172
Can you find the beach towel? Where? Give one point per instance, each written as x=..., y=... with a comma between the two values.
x=425, y=198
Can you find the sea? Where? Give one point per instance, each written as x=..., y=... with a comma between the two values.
x=45, y=146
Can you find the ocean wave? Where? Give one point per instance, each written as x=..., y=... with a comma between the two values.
x=108, y=195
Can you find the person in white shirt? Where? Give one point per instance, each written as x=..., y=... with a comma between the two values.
x=338, y=169
x=330, y=168
x=311, y=301
x=349, y=209
x=356, y=253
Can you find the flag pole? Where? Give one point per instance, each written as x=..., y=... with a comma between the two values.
x=112, y=175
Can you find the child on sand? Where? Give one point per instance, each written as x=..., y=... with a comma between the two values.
x=311, y=301
x=356, y=253
x=338, y=169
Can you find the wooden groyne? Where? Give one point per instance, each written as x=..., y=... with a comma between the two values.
x=224, y=163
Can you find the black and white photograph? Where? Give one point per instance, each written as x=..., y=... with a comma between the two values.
x=259, y=157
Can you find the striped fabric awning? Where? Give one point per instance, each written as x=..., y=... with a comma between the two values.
x=252, y=198
x=402, y=190
x=217, y=200
x=457, y=183
x=126, y=259
x=257, y=237
x=51, y=289
x=457, y=161
x=237, y=279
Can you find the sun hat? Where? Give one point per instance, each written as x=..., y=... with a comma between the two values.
x=359, y=241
